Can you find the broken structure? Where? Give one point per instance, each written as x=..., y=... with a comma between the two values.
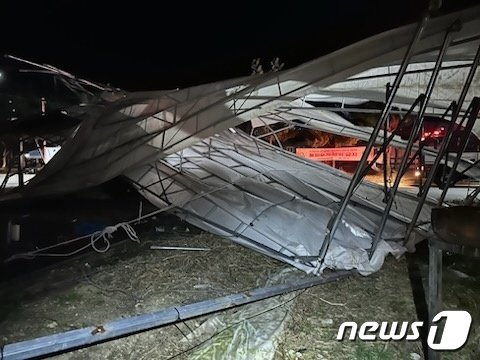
x=175, y=146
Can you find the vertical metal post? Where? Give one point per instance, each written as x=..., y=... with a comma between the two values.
x=421, y=159
x=335, y=221
x=386, y=157
x=463, y=146
x=434, y=288
x=413, y=136
x=20, y=162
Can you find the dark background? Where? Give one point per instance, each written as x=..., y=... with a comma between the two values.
x=140, y=45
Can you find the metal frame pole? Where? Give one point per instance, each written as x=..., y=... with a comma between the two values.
x=435, y=262
x=444, y=146
x=412, y=138
x=386, y=157
x=335, y=221
x=472, y=118
x=428, y=182
x=20, y=163
x=74, y=339
x=471, y=197
x=469, y=167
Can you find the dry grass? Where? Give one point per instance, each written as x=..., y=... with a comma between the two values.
x=133, y=280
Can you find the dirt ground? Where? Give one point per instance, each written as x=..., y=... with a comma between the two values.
x=133, y=279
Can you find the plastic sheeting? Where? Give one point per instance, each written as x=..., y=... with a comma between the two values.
x=371, y=84
x=250, y=333
x=238, y=187
x=269, y=200
x=131, y=130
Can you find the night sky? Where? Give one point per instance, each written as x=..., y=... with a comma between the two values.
x=132, y=45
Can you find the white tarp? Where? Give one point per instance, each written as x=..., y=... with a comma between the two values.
x=259, y=196
x=139, y=128
x=233, y=185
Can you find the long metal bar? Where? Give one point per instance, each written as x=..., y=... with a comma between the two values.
x=69, y=340
x=274, y=131
x=20, y=163
x=333, y=224
x=471, y=197
x=412, y=138
x=386, y=157
x=354, y=110
x=4, y=183
x=409, y=72
x=463, y=146
x=443, y=147
x=435, y=262
x=475, y=164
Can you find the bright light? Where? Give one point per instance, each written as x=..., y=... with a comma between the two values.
x=417, y=173
x=1, y=75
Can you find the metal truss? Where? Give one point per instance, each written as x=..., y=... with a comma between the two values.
x=414, y=135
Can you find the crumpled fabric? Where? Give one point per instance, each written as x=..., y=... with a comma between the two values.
x=251, y=332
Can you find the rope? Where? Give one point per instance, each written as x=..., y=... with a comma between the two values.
x=106, y=235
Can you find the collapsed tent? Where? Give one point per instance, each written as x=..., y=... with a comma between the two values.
x=132, y=129
x=299, y=113
x=262, y=197
x=173, y=145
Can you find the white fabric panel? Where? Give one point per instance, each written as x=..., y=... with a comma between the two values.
x=280, y=207
x=447, y=88
x=236, y=186
x=139, y=128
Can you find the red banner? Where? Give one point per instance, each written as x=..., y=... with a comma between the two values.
x=337, y=154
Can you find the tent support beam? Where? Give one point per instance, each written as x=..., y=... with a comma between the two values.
x=336, y=219
x=475, y=108
x=413, y=137
x=74, y=339
x=354, y=110
x=443, y=147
